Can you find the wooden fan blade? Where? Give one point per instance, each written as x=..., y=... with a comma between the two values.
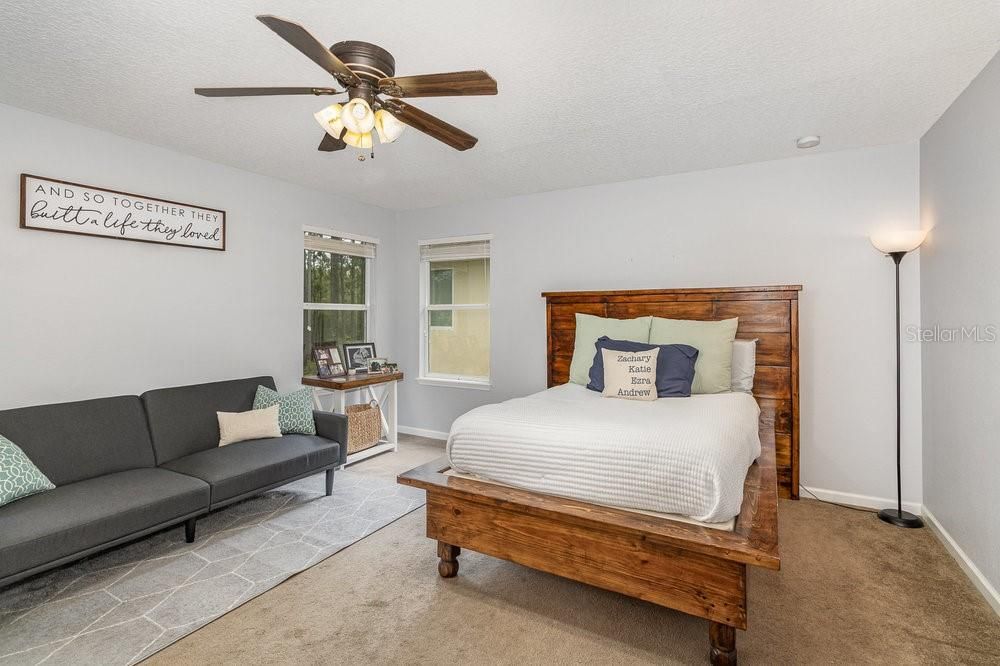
x=428, y=124
x=329, y=144
x=253, y=92
x=300, y=38
x=475, y=82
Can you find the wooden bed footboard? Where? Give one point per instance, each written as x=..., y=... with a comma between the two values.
x=697, y=570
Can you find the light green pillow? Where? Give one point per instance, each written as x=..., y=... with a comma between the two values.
x=714, y=342
x=18, y=475
x=589, y=328
x=295, y=409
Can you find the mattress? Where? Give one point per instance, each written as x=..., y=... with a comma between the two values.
x=685, y=456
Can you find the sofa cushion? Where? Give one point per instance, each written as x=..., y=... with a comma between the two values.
x=72, y=518
x=244, y=467
x=19, y=477
x=255, y=424
x=182, y=419
x=72, y=441
x=295, y=409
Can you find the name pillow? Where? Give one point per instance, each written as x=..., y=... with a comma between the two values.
x=589, y=328
x=241, y=426
x=18, y=475
x=630, y=375
x=674, y=366
x=295, y=409
x=714, y=342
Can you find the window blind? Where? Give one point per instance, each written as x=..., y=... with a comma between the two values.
x=455, y=251
x=339, y=246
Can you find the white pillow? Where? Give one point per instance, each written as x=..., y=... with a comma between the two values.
x=744, y=365
x=255, y=424
x=630, y=375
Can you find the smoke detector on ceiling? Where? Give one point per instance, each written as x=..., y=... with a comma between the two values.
x=807, y=142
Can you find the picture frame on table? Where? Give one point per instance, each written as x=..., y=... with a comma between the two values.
x=376, y=365
x=328, y=360
x=356, y=355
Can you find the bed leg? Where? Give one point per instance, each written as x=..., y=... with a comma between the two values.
x=448, y=566
x=723, y=640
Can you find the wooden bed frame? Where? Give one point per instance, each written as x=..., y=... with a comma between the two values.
x=694, y=569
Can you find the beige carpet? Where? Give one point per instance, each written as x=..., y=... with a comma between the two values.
x=851, y=591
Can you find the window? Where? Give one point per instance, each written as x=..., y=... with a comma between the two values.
x=443, y=293
x=337, y=289
x=455, y=312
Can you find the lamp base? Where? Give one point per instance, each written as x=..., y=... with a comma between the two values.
x=900, y=518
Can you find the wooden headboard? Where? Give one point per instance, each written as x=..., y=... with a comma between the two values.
x=769, y=314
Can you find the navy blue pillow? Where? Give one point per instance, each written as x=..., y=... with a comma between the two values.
x=674, y=366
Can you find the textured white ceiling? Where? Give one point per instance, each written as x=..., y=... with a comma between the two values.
x=590, y=92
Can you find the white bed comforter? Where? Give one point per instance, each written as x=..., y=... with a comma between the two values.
x=686, y=456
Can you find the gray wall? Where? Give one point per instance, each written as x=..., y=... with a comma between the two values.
x=802, y=220
x=84, y=317
x=960, y=202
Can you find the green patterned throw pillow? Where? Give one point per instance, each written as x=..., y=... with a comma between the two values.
x=295, y=411
x=18, y=476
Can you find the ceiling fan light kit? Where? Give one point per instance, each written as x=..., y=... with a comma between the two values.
x=367, y=71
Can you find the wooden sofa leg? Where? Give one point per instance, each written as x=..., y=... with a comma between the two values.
x=329, y=482
x=448, y=565
x=189, y=529
x=723, y=640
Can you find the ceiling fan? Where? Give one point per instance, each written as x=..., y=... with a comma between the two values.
x=367, y=72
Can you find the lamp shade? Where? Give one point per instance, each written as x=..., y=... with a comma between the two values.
x=898, y=240
x=329, y=120
x=357, y=116
x=357, y=140
x=387, y=126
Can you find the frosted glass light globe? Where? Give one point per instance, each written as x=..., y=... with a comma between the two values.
x=898, y=240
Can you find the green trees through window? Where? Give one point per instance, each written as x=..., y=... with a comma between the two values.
x=335, y=302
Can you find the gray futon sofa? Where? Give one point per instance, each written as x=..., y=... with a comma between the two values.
x=128, y=466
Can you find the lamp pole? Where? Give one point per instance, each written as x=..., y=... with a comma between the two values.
x=897, y=516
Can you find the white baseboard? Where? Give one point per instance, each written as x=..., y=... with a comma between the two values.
x=968, y=566
x=421, y=432
x=866, y=501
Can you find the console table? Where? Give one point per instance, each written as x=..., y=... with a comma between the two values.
x=380, y=387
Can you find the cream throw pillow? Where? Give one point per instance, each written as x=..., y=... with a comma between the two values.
x=255, y=424
x=630, y=375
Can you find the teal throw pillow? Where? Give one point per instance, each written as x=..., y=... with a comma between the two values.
x=18, y=475
x=295, y=409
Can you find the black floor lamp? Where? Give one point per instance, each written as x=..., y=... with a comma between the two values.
x=896, y=245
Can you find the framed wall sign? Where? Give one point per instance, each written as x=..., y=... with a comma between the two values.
x=59, y=205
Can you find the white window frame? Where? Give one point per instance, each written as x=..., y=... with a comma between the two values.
x=369, y=281
x=436, y=378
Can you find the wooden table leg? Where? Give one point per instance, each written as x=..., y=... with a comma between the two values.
x=723, y=640
x=448, y=566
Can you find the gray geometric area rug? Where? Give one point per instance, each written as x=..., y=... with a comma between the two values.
x=121, y=606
